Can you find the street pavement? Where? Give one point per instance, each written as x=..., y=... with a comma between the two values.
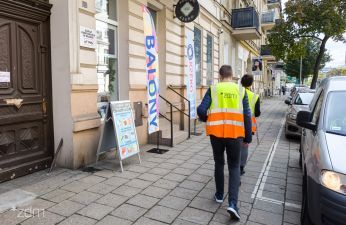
x=173, y=188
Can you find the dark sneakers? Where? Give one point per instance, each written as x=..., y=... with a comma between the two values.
x=242, y=171
x=233, y=211
x=218, y=198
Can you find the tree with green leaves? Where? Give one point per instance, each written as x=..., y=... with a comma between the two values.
x=337, y=72
x=310, y=52
x=320, y=20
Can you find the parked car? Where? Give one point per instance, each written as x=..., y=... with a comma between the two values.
x=324, y=155
x=296, y=88
x=299, y=102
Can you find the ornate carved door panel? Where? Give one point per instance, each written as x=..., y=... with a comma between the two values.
x=25, y=91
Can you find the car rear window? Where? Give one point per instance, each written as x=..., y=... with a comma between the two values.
x=304, y=98
x=336, y=113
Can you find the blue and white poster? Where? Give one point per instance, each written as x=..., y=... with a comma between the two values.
x=125, y=129
x=191, y=74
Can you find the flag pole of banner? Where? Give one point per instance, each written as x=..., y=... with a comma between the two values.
x=152, y=70
x=191, y=73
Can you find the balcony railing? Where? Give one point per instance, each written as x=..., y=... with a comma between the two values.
x=279, y=21
x=273, y=1
x=268, y=17
x=265, y=50
x=245, y=18
x=273, y=4
x=267, y=54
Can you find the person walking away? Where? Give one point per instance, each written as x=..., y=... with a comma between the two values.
x=283, y=89
x=255, y=106
x=225, y=109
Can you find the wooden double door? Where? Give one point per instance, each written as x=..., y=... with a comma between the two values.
x=26, y=129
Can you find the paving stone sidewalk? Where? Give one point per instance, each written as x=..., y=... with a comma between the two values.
x=174, y=188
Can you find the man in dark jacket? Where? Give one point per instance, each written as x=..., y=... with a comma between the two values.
x=234, y=132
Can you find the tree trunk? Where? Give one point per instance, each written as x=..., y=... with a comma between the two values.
x=318, y=62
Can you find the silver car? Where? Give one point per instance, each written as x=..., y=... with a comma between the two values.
x=299, y=102
x=323, y=148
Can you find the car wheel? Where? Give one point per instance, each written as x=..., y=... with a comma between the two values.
x=287, y=135
x=305, y=217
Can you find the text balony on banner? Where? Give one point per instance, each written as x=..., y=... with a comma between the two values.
x=152, y=69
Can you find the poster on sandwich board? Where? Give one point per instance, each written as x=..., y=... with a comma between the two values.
x=119, y=131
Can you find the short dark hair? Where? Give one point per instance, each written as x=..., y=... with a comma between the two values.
x=247, y=80
x=226, y=71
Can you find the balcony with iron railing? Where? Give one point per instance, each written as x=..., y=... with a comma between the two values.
x=266, y=53
x=268, y=20
x=245, y=23
x=271, y=4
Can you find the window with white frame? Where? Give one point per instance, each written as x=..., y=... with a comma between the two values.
x=209, y=58
x=198, y=54
x=107, y=49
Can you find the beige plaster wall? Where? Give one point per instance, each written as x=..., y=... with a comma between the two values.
x=74, y=67
x=171, y=37
x=61, y=81
x=74, y=83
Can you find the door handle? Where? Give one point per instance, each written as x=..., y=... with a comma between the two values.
x=18, y=102
x=44, y=106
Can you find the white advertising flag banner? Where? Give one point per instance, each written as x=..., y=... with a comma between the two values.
x=191, y=74
x=152, y=68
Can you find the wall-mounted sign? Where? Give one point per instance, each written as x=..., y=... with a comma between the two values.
x=5, y=77
x=87, y=37
x=187, y=10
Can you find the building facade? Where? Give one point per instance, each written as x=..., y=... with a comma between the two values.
x=71, y=77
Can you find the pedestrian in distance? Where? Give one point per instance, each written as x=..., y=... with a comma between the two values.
x=225, y=109
x=255, y=106
x=283, y=89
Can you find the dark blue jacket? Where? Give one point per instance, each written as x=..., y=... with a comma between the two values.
x=202, y=112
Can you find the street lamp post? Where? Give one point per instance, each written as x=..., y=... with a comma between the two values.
x=301, y=70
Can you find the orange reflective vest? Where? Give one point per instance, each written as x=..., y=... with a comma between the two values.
x=253, y=98
x=225, y=115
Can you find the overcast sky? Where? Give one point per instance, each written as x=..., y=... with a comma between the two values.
x=336, y=49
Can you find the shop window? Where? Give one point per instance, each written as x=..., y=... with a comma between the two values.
x=107, y=49
x=198, y=54
x=209, y=59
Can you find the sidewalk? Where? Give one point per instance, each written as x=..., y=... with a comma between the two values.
x=174, y=188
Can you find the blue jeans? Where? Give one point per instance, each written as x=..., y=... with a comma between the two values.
x=232, y=147
x=244, y=154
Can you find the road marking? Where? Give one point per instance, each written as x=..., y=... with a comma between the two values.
x=277, y=202
x=267, y=161
x=262, y=179
x=276, y=143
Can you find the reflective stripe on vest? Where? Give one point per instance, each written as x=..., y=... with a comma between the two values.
x=228, y=122
x=225, y=115
x=253, y=98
